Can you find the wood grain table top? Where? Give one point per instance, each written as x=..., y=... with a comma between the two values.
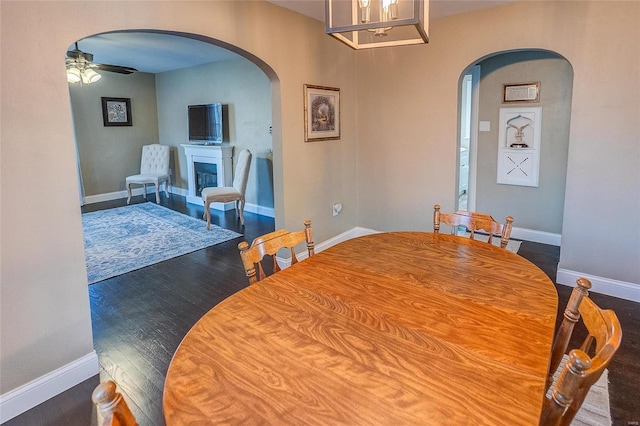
x=385, y=329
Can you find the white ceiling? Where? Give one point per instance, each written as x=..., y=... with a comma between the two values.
x=151, y=52
x=156, y=53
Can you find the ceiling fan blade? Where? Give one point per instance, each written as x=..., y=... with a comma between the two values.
x=115, y=68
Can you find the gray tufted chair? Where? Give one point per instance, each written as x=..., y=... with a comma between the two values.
x=225, y=194
x=154, y=169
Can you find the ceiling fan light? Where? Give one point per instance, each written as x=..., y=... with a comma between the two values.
x=73, y=75
x=90, y=76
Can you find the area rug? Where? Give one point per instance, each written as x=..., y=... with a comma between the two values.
x=127, y=238
x=595, y=409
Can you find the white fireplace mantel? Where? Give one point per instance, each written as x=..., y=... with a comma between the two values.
x=219, y=154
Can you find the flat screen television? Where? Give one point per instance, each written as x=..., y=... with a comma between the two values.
x=205, y=123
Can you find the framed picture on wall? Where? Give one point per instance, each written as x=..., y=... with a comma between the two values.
x=521, y=92
x=116, y=111
x=321, y=113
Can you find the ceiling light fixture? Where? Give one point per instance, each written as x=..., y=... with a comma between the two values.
x=364, y=24
x=80, y=67
x=77, y=73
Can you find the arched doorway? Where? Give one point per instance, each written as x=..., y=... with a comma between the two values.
x=219, y=73
x=138, y=321
x=538, y=209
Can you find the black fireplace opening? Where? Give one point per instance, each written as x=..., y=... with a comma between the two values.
x=206, y=176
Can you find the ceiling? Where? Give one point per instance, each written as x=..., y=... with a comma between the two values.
x=156, y=52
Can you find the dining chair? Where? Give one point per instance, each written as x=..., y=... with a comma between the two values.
x=154, y=169
x=473, y=221
x=270, y=244
x=583, y=366
x=226, y=194
x=111, y=406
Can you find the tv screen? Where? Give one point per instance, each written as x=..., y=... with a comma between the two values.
x=205, y=122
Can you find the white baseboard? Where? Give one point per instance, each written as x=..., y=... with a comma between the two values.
x=347, y=235
x=262, y=211
x=27, y=396
x=179, y=191
x=252, y=208
x=536, y=236
x=91, y=199
x=608, y=286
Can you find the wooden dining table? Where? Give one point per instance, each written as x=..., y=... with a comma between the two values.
x=398, y=328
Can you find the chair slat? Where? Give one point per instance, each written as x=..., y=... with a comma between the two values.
x=571, y=317
x=269, y=245
x=604, y=330
x=474, y=221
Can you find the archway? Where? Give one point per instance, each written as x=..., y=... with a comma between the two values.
x=125, y=324
x=537, y=208
x=247, y=84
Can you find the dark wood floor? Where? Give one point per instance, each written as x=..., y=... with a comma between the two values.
x=139, y=319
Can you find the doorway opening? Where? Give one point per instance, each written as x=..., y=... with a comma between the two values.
x=467, y=139
x=537, y=207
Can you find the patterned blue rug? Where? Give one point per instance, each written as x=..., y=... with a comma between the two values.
x=124, y=239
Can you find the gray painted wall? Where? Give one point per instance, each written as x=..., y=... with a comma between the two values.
x=246, y=90
x=537, y=208
x=408, y=126
x=159, y=110
x=109, y=154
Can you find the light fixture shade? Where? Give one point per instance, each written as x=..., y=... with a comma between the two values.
x=90, y=76
x=79, y=71
x=378, y=23
x=73, y=75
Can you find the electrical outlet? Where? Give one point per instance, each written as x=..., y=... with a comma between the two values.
x=337, y=208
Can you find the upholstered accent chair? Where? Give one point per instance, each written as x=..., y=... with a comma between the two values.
x=226, y=194
x=154, y=170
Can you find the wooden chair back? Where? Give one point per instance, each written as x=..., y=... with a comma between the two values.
x=584, y=365
x=112, y=408
x=473, y=222
x=270, y=244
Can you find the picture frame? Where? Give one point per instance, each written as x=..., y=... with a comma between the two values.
x=116, y=111
x=521, y=92
x=321, y=113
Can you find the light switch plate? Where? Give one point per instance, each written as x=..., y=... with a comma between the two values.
x=485, y=126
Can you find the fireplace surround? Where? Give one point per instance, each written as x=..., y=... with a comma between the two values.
x=220, y=157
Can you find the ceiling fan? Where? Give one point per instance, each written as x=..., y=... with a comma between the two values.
x=81, y=68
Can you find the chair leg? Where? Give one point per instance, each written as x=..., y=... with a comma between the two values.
x=158, y=193
x=166, y=187
x=129, y=191
x=144, y=191
x=207, y=213
x=241, y=209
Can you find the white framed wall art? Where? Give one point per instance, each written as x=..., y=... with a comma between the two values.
x=519, y=146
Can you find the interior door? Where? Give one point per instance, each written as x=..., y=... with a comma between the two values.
x=467, y=146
